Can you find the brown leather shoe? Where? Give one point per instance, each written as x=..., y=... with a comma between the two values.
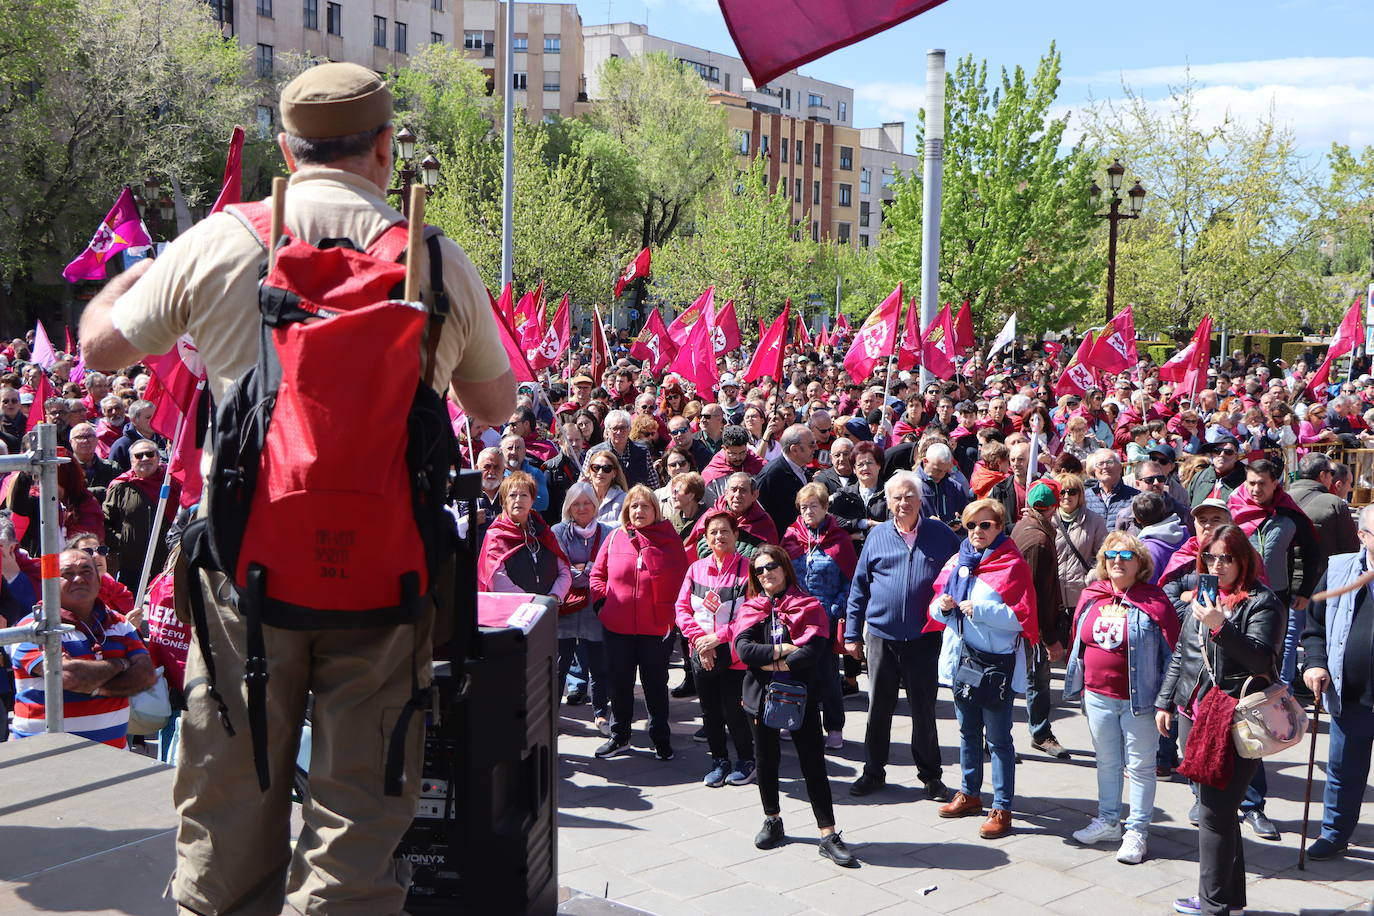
x=962, y=806
x=997, y=825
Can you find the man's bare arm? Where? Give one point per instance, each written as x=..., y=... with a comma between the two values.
x=488, y=402
x=137, y=679
x=83, y=675
x=102, y=345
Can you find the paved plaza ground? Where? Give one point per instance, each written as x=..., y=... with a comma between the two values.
x=648, y=834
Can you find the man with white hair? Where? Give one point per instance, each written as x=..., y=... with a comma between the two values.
x=634, y=457
x=942, y=497
x=891, y=594
x=140, y=427
x=840, y=473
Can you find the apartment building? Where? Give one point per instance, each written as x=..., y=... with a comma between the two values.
x=545, y=72
x=881, y=160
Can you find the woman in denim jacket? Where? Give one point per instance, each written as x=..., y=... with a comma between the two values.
x=1124, y=634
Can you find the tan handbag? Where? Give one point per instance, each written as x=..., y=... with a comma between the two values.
x=1266, y=722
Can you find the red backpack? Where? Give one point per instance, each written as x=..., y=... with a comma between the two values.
x=314, y=528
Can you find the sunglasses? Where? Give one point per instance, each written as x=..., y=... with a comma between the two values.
x=766, y=568
x=1227, y=451
x=982, y=526
x=679, y=432
x=1072, y=491
x=1214, y=559
x=1154, y=478
x=1119, y=554
x=601, y=468
x=101, y=551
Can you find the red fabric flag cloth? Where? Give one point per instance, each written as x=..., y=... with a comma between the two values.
x=1188, y=367
x=653, y=345
x=909, y=350
x=527, y=310
x=231, y=190
x=41, y=393
x=1115, y=347
x=938, y=343
x=823, y=338
x=682, y=324
x=176, y=374
x=71, y=344
x=184, y=466
x=638, y=267
x=1052, y=349
x=963, y=329
x=876, y=338
x=518, y=364
x=803, y=333
x=43, y=352
x=1078, y=376
x=601, y=351
x=725, y=334
x=768, y=355
x=505, y=306
x=774, y=36
x=696, y=361
x=555, y=340
x=1348, y=336
x=121, y=229
x=1006, y=572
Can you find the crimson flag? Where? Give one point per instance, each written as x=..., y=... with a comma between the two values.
x=231, y=191
x=803, y=333
x=176, y=374
x=554, y=342
x=71, y=345
x=938, y=343
x=768, y=356
x=41, y=392
x=638, y=267
x=963, y=329
x=823, y=338
x=1078, y=376
x=774, y=36
x=518, y=363
x=842, y=324
x=704, y=306
x=653, y=345
x=1188, y=367
x=505, y=306
x=875, y=339
x=696, y=361
x=601, y=351
x=1348, y=336
x=1114, y=350
x=527, y=310
x=725, y=329
x=909, y=350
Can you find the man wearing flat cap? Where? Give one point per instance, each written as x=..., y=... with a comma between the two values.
x=233, y=849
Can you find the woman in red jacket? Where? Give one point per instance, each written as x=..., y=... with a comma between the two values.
x=636, y=580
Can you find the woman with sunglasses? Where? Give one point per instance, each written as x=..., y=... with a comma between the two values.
x=602, y=470
x=1124, y=633
x=674, y=463
x=1223, y=643
x=984, y=597
x=783, y=633
x=1078, y=534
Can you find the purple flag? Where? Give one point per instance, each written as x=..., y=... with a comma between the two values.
x=43, y=352
x=122, y=228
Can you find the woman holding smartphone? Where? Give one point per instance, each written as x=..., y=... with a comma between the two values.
x=1225, y=640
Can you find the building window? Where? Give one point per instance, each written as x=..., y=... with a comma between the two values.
x=727, y=82
x=265, y=8
x=817, y=156
x=436, y=5
x=796, y=195
x=846, y=195
x=814, y=101
x=742, y=142
x=863, y=213
x=435, y=38
x=889, y=176
x=763, y=144
x=843, y=111
x=799, y=152
x=520, y=81
x=787, y=98
x=865, y=181
x=815, y=231
x=379, y=31
x=217, y=8
x=264, y=60
x=705, y=71
x=472, y=41
x=312, y=14
x=786, y=153
x=863, y=241
x=553, y=44
x=844, y=233
x=846, y=157
x=815, y=192
x=333, y=18
x=550, y=115
x=522, y=44
x=552, y=81
x=264, y=122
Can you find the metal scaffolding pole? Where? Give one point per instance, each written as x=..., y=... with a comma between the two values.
x=508, y=168
x=933, y=181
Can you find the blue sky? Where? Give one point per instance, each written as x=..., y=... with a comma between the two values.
x=1303, y=57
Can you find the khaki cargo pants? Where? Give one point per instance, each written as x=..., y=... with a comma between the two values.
x=234, y=852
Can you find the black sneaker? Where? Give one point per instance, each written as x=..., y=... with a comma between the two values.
x=663, y=750
x=936, y=790
x=684, y=690
x=700, y=735
x=771, y=834
x=613, y=748
x=576, y=697
x=849, y=686
x=1323, y=849
x=834, y=849
x=867, y=783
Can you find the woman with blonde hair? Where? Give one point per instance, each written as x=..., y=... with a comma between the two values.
x=602, y=470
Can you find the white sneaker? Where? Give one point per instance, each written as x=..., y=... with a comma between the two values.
x=1132, y=850
x=1097, y=831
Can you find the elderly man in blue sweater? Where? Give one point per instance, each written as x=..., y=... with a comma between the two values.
x=892, y=590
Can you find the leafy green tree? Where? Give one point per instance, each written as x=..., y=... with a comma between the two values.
x=1015, y=224
x=1230, y=209
x=442, y=97
x=1343, y=252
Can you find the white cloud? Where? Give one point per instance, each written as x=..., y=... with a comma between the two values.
x=1292, y=71
x=894, y=101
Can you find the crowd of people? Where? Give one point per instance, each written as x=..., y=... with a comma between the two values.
x=786, y=540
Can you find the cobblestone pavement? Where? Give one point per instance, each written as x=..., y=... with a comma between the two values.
x=648, y=834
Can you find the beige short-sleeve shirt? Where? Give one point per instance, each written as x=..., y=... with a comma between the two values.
x=205, y=284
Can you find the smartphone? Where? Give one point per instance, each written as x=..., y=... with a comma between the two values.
x=1208, y=586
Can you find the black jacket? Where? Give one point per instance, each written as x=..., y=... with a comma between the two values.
x=832, y=480
x=850, y=509
x=1249, y=644
x=778, y=488
x=755, y=648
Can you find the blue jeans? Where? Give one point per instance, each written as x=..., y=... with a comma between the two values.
x=974, y=720
x=1297, y=621
x=1123, y=742
x=577, y=674
x=1352, y=734
x=593, y=658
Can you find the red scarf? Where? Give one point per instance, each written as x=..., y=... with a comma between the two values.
x=1150, y=599
x=802, y=615
x=1249, y=515
x=504, y=538
x=831, y=540
x=985, y=478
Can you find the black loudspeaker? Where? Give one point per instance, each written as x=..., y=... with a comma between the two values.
x=484, y=839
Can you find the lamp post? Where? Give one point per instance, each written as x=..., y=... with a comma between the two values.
x=158, y=209
x=1135, y=199
x=425, y=173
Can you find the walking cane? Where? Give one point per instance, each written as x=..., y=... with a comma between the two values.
x=1307, y=795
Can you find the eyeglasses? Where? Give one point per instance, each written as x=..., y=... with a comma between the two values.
x=1213, y=559
x=601, y=468
x=766, y=568
x=1072, y=491
x=1227, y=451
x=679, y=432
x=101, y=551
x=1154, y=478
x=1119, y=554
x=982, y=526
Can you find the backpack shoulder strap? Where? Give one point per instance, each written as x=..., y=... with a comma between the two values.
x=256, y=215
x=390, y=243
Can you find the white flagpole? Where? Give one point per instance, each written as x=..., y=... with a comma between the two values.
x=163, y=492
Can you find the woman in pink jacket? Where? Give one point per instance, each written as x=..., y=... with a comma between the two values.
x=711, y=597
x=636, y=580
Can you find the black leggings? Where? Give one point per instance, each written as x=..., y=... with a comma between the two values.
x=719, y=691
x=810, y=753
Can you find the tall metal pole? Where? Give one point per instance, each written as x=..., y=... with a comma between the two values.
x=933, y=181
x=50, y=543
x=1113, y=218
x=508, y=169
